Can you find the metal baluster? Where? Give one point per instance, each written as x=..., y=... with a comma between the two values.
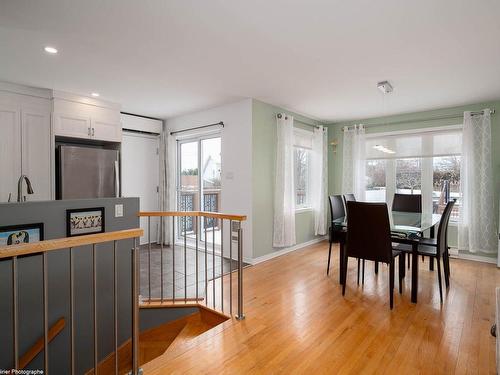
x=161, y=258
x=240, y=274
x=135, y=309
x=115, y=304
x=72, y=308
x=45, y=314
x=185, y=262
x=206, y=261
x=222, y=264
x=196, y=229
x=15, y=333
x=213, y=262
x=149, y=258
x=230, y=267
x=173, y=258
x=94, y=294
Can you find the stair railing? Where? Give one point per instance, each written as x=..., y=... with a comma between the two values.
x=13, y=252
x=204, y=234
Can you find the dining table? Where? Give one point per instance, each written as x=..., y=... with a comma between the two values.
x=406, y=228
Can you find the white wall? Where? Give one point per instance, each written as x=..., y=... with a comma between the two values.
x=236, y=159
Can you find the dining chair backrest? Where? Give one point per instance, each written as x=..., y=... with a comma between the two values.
x=407, y=202
x=348, y=198
x=336, y=206
x=368, y=231
x=442, y=240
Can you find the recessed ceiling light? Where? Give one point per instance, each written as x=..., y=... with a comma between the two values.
x=95, y=94
x=50, y=49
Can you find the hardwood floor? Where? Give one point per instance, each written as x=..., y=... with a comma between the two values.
x=298, y=322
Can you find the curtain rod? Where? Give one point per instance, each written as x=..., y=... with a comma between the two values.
x=220, y=123
x=279, y=115
x=425, y=119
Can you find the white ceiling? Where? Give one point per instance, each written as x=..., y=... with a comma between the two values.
x=319, y=58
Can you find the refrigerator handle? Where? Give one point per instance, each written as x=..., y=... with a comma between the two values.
x=117, y=179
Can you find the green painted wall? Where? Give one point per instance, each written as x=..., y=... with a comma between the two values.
x=411, y=121
x=263, y=160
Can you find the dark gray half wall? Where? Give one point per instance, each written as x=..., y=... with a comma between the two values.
x=53, y=215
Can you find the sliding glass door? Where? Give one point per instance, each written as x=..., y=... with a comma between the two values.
x=199, y=184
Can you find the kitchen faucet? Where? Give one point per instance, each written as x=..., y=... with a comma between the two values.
x=20, y=187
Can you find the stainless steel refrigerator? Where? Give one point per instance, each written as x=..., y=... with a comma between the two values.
x=87, y=172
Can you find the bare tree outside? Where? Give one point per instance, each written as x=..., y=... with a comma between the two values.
x=409, y=174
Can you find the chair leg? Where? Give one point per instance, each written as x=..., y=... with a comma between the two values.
x=438, y=261
x=409, y=260
x=329, y=257
x=391, y=284
x=446, y=264
x=363, y=273
x=431, y=264
x=344, y=272
x=376, y=268
x=359, y=265
x=401, y=273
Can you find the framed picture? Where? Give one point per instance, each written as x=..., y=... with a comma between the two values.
x=82, y=221
x=22, y=233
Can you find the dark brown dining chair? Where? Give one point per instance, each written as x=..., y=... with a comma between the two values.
x=369, y=237
x=407, y=203
x=438, y=248
x=336, y=211
x=352, y=198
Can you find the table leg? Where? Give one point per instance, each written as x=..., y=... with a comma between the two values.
x=414, y=272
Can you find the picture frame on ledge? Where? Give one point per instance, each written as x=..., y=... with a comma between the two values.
x=82, y=221
x=21, y=233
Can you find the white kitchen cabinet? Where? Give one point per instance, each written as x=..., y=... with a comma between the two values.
x=85, y=118
x=36, y=150
x=10, y=151
x=25, y=145
x=72, y=125
x=106, y=130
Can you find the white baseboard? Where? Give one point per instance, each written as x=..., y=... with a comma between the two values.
x=454, y=253
x=284, y=251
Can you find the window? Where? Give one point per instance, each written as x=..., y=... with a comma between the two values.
x=302, y=167
x=423, y=162
x=375, y=181
x=301, y=174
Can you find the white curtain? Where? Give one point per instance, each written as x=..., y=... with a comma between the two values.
x=353, y=169
x=169, y=184
x=284, y=191
x=319, y=179
x=163, y=187
x=477, y=227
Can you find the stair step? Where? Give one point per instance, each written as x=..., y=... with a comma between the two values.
x=197, y=325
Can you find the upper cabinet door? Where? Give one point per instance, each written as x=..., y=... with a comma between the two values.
x=104, y=130
x=36, y=151
x=72, y=125
x=10, y=151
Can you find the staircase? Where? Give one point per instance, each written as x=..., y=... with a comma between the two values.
x=167, y=340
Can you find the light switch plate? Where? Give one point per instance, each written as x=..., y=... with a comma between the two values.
x=118, y=210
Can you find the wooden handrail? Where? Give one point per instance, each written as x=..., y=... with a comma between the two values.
x=64, y=243
x=38, y=346
x=214, y=215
